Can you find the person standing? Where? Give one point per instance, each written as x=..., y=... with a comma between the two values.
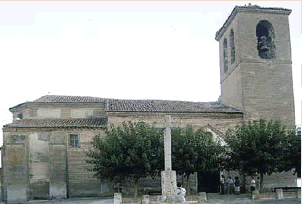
x=253, y=186
x=237, y=185
x=222, y=185
x=230, y=185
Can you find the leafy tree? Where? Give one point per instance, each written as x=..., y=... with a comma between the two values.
x=195, y=151
x=261, y=147
x=128, y=151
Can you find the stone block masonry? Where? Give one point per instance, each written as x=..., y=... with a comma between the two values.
x=58, y=168
x=15, y=172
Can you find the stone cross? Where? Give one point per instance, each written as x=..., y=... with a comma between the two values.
x=168, y=177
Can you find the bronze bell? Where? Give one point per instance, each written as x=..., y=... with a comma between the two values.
x=264, y=48
x=263, y=44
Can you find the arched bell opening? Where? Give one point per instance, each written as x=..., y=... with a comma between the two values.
x=265, y=35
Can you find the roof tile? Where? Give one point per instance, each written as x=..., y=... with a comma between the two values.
x=123, y=105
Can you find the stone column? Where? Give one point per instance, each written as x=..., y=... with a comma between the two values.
x=168, y=177
x=167, y=143
x=279, y=194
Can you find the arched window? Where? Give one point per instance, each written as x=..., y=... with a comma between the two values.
x=225, y=55
x=265, y=35
x=232, y=46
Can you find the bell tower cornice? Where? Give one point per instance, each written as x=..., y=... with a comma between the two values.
x=249, y=8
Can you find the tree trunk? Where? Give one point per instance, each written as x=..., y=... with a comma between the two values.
x=188, y=184
x=135, y=188
x=261, y=182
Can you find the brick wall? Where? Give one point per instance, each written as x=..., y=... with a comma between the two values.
x=15, y=168
x=220, y=121
x=81, y=181
x=61, y=110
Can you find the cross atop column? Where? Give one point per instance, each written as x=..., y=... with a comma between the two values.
x=168, y=177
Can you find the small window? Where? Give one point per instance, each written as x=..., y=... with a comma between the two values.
x=74, y=140
x=20, y=116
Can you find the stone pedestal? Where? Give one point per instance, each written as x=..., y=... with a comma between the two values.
x=279, y=193
x=117, y=198
x=146, y=199
x=202, y=196
x=255, y=195
x=168, y=183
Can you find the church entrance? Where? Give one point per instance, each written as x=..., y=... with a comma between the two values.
x=208, y=182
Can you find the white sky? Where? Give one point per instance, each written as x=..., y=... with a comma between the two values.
x=125, y=50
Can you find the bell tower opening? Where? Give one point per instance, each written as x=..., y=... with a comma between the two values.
x=265, y=36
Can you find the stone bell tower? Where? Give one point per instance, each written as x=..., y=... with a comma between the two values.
x=255, y=63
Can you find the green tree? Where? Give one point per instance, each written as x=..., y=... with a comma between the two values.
x=195, y=151
x=261, y=147
x=128, y=151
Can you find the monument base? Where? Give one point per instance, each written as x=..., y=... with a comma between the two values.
x=171, y=199
x=168, y=183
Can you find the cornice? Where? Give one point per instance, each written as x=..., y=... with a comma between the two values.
x=248, y=9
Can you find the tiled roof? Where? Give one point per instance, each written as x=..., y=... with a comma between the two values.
x=123, y=105
x=72, y=122
x=69, y=99
x=168, y=106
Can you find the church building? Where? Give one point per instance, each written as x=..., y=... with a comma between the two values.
x=43, y=155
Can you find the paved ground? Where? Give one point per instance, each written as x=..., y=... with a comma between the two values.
x=72, y=201
x=244, y=198
x=213, y=198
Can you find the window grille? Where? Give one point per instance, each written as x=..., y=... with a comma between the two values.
x=74, y=140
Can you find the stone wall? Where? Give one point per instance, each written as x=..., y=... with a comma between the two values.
x=220, y=121
x=81, y=181
x=39, y=173
x=57, y=165
x=40, y=164
x=60, y=110
x=268, y=91
x=16, y=168
x=282, y=179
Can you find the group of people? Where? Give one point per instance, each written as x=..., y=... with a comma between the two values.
x=229, y=186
